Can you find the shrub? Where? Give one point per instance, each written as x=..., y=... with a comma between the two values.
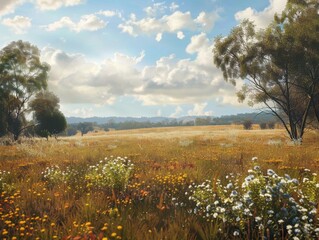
x=270, y=206
x=262, y=125
x=247, y=124
x=113, y=173
x=5, y=181
x=271, y=125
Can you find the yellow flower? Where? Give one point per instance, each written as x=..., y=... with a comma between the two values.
x=119, y=227
x=113, y=234
x=105, y=238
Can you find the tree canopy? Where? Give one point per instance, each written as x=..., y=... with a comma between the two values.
x=279, y=65
x=49, y=120
x=22, y=75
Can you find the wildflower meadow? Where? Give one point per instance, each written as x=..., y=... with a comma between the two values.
x=169, y=183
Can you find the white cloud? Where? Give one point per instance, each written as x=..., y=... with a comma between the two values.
x=207, y=20
x=55, y=4
x=263, y=18
x=158, y=37
x=87, y=23
x=156, y=8
x=180, y=35
x=18, y=24
x=173, y=6
x=185, y=81
x=177, y=113
x=76, y=80
x=199, y=110
x=78, y=112
x=8, y=6
x=170, y=80
x=173, y=23
x=108, y=13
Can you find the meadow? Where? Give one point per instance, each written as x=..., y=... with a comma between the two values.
x=205, y=182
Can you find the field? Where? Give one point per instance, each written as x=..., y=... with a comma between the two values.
x=165, y=183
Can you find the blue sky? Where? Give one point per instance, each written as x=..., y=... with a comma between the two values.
x=134, y=58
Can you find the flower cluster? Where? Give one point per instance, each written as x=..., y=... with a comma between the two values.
x=264, y=205
x=113, y=173
x=5, y=181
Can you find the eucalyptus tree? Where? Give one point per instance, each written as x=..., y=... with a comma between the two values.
x=49, y=120
x=22, y=74
x=279, y=65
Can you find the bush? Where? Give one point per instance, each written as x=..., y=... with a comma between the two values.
x=263, y=206
x=113, y=173
x=271, y=125
x=247, y=124
x=263, y=125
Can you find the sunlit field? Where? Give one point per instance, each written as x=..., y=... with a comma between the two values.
x=212, y=182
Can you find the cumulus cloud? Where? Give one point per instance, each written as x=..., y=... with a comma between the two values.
x=77, y=80
x=180, y=35
x=177, y=113
x=182, y=81
x=263, y=18
x=8, y=6
x=108, y=13
x=158, y=37
x=199, y=110
x=56, y=4
x=18, y=24
x=173, y=6
x=87, y=23
x=168, y=81
x=172, y=23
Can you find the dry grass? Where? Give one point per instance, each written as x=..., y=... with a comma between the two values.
x=196, y=152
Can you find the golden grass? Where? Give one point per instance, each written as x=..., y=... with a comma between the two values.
x=162, y=156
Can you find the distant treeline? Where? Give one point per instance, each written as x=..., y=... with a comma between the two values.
x=111, y=124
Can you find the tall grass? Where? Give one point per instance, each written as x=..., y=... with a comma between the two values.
x=66, y=189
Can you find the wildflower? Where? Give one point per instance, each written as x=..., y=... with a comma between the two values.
x=254, y=159
x=119, y=227
x=270, y=172
x=234, y=193
x=236, y=233
x=280, y=221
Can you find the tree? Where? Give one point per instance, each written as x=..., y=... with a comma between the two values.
x=22, y=74
x=50, y=123
x=279, y=65
x=247, y=124
x=49, y=119
x=85, y=127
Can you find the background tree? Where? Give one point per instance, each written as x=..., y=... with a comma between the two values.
x=280, y=70
x=49, y=120
x=85, y=127
x=22, y=74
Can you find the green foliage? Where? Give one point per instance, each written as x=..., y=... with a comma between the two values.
x=270, y=205
x=247, y=124
x=113, y=173
x=263, y=125
x=85, y=127
x=278, y=64
x=5, y=181
x=49, y=120
x=22, y=74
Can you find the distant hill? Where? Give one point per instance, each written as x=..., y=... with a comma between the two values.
x=228, y=119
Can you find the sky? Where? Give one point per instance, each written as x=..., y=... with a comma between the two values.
x=137, y=58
